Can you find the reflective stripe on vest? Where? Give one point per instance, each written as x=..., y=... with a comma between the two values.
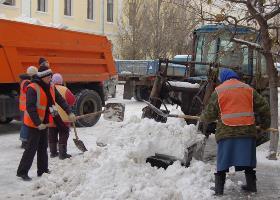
x=62, y=91
x=41, y=104
x=236, y=103
x=22, y=96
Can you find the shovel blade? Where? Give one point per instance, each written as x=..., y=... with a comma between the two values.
x=114, y=112
x=80, y=145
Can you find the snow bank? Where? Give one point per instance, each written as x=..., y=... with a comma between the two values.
x=119, y=170
x=183, y=84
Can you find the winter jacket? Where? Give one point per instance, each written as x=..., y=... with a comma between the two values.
x=31, y=107
x=212, y=113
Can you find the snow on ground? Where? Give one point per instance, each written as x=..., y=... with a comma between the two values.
x=117, y=170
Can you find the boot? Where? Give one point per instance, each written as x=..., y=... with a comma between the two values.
x=53, y=150
x=251, y=185
x=24, y=177
x=220, y=179
x=63, y=152
x=39, y=174
x=23, y=144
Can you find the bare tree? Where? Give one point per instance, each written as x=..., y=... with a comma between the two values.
x=154, y=29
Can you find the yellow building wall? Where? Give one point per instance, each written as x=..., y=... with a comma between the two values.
x=11, y=12
x=45, y=17
x=78, y=21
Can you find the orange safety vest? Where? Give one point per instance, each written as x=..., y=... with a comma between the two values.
x=62, y=91
x=41, y=104
x=236, y=103
x=22, y=96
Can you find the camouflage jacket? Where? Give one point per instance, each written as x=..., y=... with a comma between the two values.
x=212, y=113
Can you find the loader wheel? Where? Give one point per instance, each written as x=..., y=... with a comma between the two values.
x=6, y=120
x=141, y=93
x=87, y=101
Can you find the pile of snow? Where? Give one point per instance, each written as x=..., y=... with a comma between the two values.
x=29, y=20
x=183, y=84
x=119, y=170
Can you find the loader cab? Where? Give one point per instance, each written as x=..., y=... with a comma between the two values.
x=212, y=43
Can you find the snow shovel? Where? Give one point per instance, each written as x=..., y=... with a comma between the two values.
x=159, y=112
x=79, y=143
x=112, y=112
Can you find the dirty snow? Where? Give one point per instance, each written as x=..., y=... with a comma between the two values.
x=117, y=170
x=183, y=84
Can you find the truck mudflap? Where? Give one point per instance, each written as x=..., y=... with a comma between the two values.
x=196, y=150
x=8, y=107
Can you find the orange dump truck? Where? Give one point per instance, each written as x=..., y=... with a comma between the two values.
x=84, y=60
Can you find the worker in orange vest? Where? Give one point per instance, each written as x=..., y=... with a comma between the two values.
x=234, y=104
x=25, y=81
x=69, y=97
x=40, y=99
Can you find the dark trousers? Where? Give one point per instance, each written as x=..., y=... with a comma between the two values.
x=37, y=142
x=53, y=135
x=23, y=131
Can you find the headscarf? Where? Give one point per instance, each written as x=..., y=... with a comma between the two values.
x=226, y=74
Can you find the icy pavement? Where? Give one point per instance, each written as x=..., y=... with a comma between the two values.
x=268, y=175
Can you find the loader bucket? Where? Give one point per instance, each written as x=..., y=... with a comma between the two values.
x=163, y=161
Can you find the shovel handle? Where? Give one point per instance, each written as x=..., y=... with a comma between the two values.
x=185, y=116
x=75, y=131
x=273, y=130
x=89, y=114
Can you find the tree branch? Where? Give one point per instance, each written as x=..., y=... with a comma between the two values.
x=237, y=1
x=272, y=14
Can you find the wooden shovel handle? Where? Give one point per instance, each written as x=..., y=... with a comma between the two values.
x=90, y=114
x=75, y=131
x=274, y=130
x=185, y=116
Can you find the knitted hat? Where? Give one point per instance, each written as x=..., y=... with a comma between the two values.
x=31, y=70
x=57, y=79
x=44, y=71
x=226, y=74
x=42, y=61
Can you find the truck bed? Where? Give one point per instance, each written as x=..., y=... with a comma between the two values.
x=79, y=57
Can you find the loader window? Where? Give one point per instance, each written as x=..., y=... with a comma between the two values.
x=206, y=49
x=233, y=54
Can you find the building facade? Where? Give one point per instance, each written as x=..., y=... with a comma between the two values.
x=93, y=16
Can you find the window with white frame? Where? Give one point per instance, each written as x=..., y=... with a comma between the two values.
x=90, y=10
x=110, y=11
x=42, y=5
x=68, y=7
x=9, y=2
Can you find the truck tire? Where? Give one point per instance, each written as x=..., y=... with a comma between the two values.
x=87, y=101
x=141, y=93
x=6, y=120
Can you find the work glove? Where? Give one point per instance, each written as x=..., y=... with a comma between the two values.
x=72, y=117
x=42, y=127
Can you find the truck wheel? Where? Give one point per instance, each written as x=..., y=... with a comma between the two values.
x=141, y=93
x=6, y=120
x=87, y=101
